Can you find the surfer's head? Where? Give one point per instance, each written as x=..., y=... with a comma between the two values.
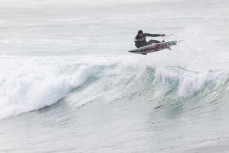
x=140, y=33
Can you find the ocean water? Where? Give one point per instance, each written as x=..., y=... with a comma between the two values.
x=68, y=83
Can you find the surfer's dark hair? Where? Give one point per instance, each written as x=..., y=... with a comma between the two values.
x=140, y=31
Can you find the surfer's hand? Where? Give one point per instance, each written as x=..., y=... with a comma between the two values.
x=162, y=35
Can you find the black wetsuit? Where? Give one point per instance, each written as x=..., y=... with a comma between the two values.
x=141, y=41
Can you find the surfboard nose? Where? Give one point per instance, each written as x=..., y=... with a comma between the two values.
x=131, y=51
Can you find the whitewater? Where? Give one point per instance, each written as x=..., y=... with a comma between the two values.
x=68, y=83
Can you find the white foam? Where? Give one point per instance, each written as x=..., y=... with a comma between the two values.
x=27, y=85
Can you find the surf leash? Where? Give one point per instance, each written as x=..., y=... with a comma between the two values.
x=172, y=35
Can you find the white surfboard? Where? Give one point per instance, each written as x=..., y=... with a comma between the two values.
x=153, y=48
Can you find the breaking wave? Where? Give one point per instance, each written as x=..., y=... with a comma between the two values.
x=34, y=83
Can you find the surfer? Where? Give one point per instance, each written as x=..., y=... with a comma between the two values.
x=140, y=39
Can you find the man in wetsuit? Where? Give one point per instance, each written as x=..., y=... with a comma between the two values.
x=140, y=39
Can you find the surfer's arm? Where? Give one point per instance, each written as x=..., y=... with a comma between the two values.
x=154, y=35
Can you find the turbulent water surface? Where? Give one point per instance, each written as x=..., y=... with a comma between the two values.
x=68, y=84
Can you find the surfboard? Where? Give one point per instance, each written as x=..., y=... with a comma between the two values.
x=153, y=48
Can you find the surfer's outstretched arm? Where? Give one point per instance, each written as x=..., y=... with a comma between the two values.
x=154, y=35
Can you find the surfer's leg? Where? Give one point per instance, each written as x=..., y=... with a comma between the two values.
x=152, y=41
x=137, y=45
x=156, y=41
